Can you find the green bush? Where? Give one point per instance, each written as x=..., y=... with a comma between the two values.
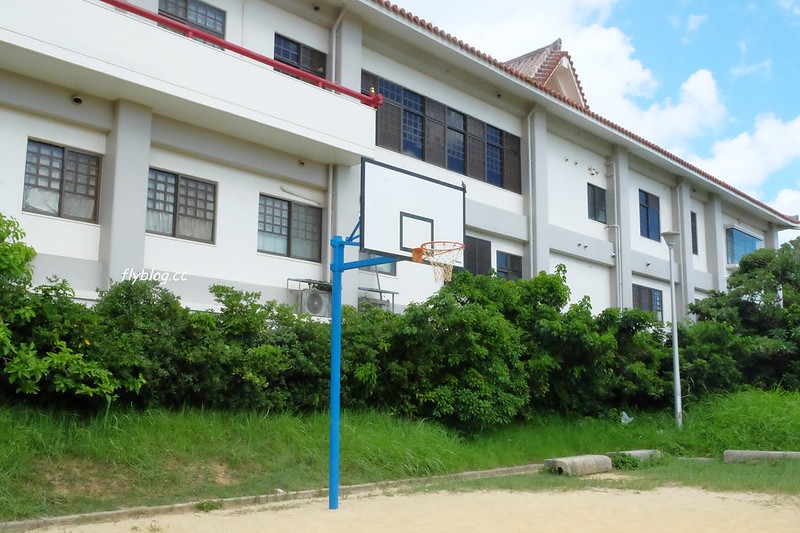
x=710, y=355
x=458, y=363
x=142, y=334
x=369, y=341
x=640, y=373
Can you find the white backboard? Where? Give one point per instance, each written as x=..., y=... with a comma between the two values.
x=401, y=210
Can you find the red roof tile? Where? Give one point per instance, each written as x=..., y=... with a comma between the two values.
x=582, y=109
x=541, y=64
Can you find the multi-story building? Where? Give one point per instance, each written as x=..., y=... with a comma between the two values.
x=222, y=142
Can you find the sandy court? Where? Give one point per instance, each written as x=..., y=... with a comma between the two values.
x=664, y=509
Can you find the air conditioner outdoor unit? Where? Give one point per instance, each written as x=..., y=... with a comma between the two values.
x=316, y=303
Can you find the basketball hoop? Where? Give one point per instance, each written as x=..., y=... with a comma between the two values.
x=442, y=255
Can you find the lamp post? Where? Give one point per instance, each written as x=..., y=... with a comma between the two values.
x=671, y=237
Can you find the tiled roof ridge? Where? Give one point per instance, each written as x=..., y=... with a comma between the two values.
x=555, y=45
x=387, y=4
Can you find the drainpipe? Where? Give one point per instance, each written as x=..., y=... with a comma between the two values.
x=334, y=34
x=327, y=255
x=531, y=197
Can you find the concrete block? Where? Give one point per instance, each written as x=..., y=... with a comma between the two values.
x=645, y=456
x=579, y=465
x=744, y=456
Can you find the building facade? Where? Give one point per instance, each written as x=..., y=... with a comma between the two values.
x=221, y=142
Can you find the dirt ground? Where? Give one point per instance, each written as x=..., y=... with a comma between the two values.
x=672, y=509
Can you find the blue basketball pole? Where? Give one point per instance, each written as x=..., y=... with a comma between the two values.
x=337, y=267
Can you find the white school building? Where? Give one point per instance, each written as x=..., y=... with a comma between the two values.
x=168, y=139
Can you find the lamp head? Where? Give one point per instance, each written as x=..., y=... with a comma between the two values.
x=671, y=237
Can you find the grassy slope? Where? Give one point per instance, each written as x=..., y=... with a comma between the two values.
x=55, y=463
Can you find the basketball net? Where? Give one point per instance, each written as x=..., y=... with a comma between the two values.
x=441, y=255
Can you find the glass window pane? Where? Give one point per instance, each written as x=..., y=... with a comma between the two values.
x=306, y=238
x=494, y=165
x=161, y=194
x=455, y=151
x=273, y=225
x=287, y=50
x=412, y=134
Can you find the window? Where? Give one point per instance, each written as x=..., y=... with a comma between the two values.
x=413, y=108
x=61, y=182
x=289, y=229
x=477, y=255
x=694, y=232
x=494, y=156
x=597, y=203
x=456, y=145
x=300, y=56
x=649, y=220
x=180, y=207
x=509, y=266
x=196, y=14
x=740, y=243
x=648, y=299
x=385, y=268
x=425, y=129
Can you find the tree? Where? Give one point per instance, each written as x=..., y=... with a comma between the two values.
x=763, y=304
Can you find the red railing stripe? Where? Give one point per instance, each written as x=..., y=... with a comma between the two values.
x=373, y=100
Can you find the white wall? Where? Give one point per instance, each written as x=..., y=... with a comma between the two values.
x=233, y=255
x=569, y=168
x=638, y=181
x=47, y=234
x=700, y=261
x=586, y=279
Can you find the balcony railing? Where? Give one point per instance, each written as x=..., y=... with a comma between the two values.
x=372, y=100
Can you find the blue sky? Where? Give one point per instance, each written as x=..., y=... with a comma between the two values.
x=713, y=81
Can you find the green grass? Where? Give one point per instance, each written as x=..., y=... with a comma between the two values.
x=57, y=463
x=777, y=477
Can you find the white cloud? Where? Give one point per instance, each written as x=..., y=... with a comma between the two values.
x=788, y=201
x=764, y=67
x=622, y=89
x=694, y=22
x=792, y=6
x=698, y=110
x=617, y=85
x=747, y=160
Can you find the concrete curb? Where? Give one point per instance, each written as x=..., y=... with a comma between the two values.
x=579, y=465
x=745, y=456
x=646, y=456
x=244, y=501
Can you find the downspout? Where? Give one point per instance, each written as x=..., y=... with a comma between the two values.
x=327, y=259
x=611, y=172
x=334, y=58
x=531, y=196
x=332, y=45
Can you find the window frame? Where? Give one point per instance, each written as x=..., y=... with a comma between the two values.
x=302, y=51
x=456, y=141
x=649, y=299
x=649, y=215
x=695, y=241
x=291, y=222
x=425, y=133
x=177, y=205
x=593, y=199
x=730, y=254
x=387, y=269
x=477, y=255
x=63, y=180
x=184, y=6
x=504, y=270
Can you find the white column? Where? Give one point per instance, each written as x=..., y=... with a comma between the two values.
x=123, y=190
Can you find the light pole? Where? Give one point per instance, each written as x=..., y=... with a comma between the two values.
x=671, y=237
